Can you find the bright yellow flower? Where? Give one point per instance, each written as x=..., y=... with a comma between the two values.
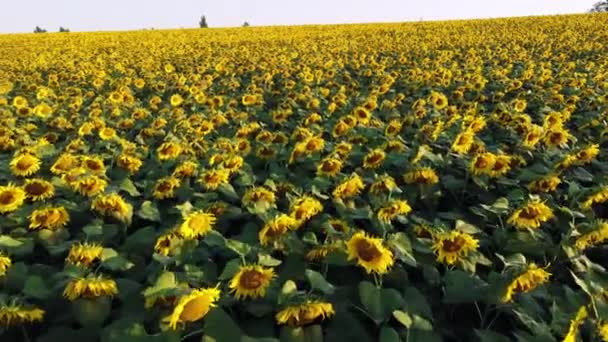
x=370, y=253
x=251, y=281
x=193, y=306
x=454, y=245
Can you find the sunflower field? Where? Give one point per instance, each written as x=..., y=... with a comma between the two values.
x=431, y=181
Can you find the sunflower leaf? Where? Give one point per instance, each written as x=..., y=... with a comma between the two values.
x=149, y=211
x=317, y=281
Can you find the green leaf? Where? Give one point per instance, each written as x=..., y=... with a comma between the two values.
x=220, y=326
x=141, y=240
x=491, y=336
x=149, y=211
x=117, y=263
x=421, y=323
x=462, y=287
x=466, y=227
x=231, y=268
x=371, y=298
x=403, y=318
x=388, y=334
x=128, y=186
x=318, y=282
x=416, y=302
x=267, y=260
x=238, y=247
x=402, y=245
x=9, y=242
x=35, y=287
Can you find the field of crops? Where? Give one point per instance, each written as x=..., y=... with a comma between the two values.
x=390, y=182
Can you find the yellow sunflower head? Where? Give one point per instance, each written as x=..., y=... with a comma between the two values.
x=25, y=165
x=165, y=187
x=196, y=224
x=193, y=306
x=49, y=218
x=90, y=287
x=531, y=215
x=5, y=263
x=329, y=167
x=370, y=253
x=393, y=209
x=84, y=254
x=374, y=159
x=251, y=281
x=305, y=313
x=304, y=208
x=11, y=198
x=15, y=314
x=213, y=178
x=276, y=227
x=350, y=187
x=451, y=246
x=113, y=205
x=423, y=175
x=526, y=281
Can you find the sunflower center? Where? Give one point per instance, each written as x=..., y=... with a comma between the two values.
x=481, y=163
x=555, y=137
x=367, y=251
x=529, y=213
x=93, y=165
x=25, y=163
x=164, y=187
x=499, y=165
x=374, y=158
x=453, y=245
x=328, y=166
x=7, y=198
x=251, y=279
x=35, y=189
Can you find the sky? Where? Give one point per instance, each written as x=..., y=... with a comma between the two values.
x=111, y=15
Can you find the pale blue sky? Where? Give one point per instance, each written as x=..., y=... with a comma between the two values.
x=90, y=15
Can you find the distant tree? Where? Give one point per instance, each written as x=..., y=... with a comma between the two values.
x=600, y=6
x=203, y=22
x=38, y=29
x=246, y=24
x=63, y=29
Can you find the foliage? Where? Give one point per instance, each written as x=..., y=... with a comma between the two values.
x=600, y=6
x=39, y=30
x=203, y=22
x=63, y=29
x=390, y=182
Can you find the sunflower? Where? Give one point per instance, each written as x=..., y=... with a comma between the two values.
x=185, y=169
x=482, y=163
x=546, y=184
x=38, y=189
x=329, y=167
x=196, y=224
x=423, y=231
x=395, y=208
x=598, y=235
x=304, y=208
x=519, y=105
x=169, y=150
x=556, y=137
x=90, y=186
x=259, y=198
x=193, y=306
x=213, y=178
x=90, y=287
x=423, y=175
x=276, y=227
x=438, y=100
x=49, y=218
x=463, y=142
x=5, y=263
x=370, y=253
x=165, y=187
x=374, y=159
x=25, y=165
x=526, y=281
x=394, y=146
x=16, y=314
x=176, y=100
x=251, y=281
x=350, y=187
x=167, y=242
x=362, y=115
x=84, y=254
x=339, y=225
x=320, y=252
x=531, y=215
x=93, y=164
x=383, y=184
x=243, y=146
x=602, y=331
x=451, y=246
x=305, y=313
x=343, y=149
x=533, y=135
x=65, y=163
x=129, y=162
x=393, y=128
x=502, y=165
x=107, y=133
x=587, y=154
x=113, y=205
x=11, y=198
x=598, y=197
x=575, y=324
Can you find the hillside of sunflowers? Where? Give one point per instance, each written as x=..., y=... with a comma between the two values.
x=428, y=181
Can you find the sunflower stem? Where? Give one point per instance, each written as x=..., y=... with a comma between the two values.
x=26, y=337
x=194, y=333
